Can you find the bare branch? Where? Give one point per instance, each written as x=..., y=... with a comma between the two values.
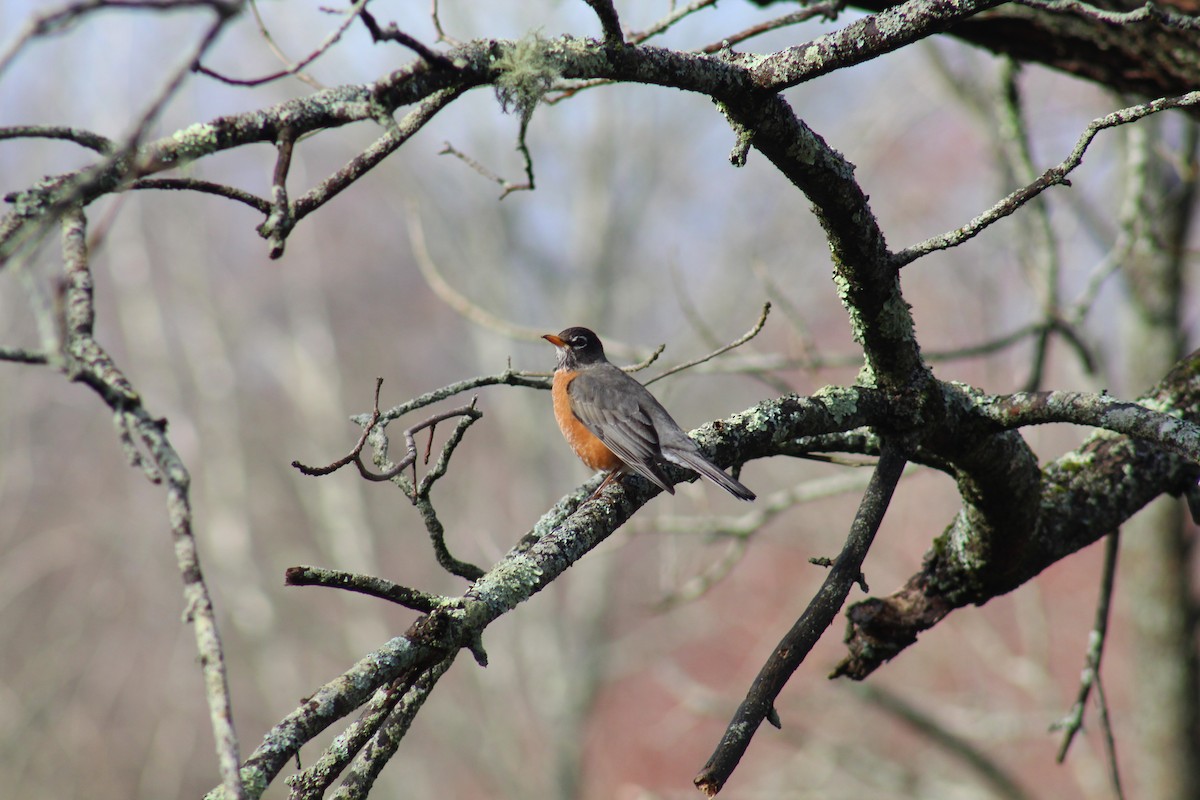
x=20, y=355
x=206, y=187
x=738, y=342
x=397, y=134
x=90, y=364
x=1100, y=411
x=1055, y=176
x=670, y=20
x=372, y=758
x=52, y=22
x=295, y=68
x=759, y=704
x=1073, y=721
x=373, y=429
x=56, y=196
x=393, y=34
x=313, y=782
x=828, y=11
x=92, y=141
x=355, y=455
x=364, y=584
x=609, y=21
x=1151, y=11
x=863, y=40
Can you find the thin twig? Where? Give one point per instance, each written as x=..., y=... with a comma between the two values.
x=828, y=11
x=665, y=24
x=437, y=538
x=206, y=187
x=437, y=25
x=393, y=34
x=92, y=141
x=59, y=20
x=373, y=429
x=738, y=342
x=20, y=355
x=371, y=759
x=1110, y=741
x=355, y=455
x=123, y=162
x=1055, y=176
x=291, y=68
x=1073, y=721
x=504, y=183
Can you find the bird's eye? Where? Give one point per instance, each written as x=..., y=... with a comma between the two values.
x=578, y=341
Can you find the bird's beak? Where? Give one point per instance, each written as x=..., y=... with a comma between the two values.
x=554, y=340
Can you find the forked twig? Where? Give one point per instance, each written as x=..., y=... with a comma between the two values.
x=355, y=455
x=291, y=67
x=373, y=426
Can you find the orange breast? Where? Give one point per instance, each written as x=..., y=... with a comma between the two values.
x=591, y=451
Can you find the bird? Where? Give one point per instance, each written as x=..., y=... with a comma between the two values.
x=615, y=425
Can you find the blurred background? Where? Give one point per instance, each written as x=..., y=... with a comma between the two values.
x=618, y=680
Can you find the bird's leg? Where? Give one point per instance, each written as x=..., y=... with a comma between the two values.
x=609, y=478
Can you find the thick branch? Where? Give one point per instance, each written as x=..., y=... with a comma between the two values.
x=890, y=29
x=1154, y=58
x=1099, y=411
x=1085, y=495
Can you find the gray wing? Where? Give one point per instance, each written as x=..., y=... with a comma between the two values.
x=620, y=412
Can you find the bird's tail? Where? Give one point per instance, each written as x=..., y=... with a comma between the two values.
x=696, y=461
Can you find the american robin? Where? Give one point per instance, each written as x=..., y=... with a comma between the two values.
x=614, y=424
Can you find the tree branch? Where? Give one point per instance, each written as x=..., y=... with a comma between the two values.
x=1083, y=496
x=1072, y=723
x=611, y=24
x=1054, y=176
x=364, y=584
x=759, y=704
x=1100, y=411
x=90, y=364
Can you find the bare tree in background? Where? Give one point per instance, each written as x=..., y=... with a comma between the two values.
x=1017, y=518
